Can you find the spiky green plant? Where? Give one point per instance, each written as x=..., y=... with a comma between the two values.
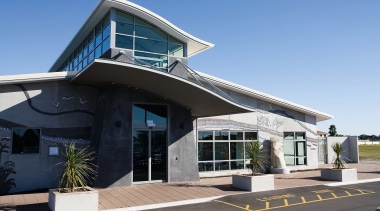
x=78, y=168
x=339, y=162
x=258, y=161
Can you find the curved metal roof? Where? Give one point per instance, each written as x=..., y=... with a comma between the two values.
x=194, y=45
x=201, y=101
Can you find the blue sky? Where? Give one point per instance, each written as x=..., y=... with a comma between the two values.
x=323, y=54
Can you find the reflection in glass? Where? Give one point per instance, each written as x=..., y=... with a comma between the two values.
x=221, y=151
x=222, y=166
x=221, y=135
x=209, y=166
x=158, y=155
x=123, y=17
x=25, y=140
x=204, y=135
x=205, y=151
x=124, y=28
x=150, y=33
x=237, y=165
x=140, y=156
x=289, y=136
x=250, y=135
x=237, y=150
x=143, y=112
x=155, y=60
x=124, y=42
x=234, y=135
x=151, y=46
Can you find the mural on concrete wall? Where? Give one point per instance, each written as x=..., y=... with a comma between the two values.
x=56, y=104
x=6, y=168
x=269, y=123
x=223, y=123
x=264, y=119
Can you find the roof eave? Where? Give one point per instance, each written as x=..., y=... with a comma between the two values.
x=194, y=45
x=320, y=116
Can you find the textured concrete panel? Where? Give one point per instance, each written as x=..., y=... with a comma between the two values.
x=112, y=137
x=183, y=162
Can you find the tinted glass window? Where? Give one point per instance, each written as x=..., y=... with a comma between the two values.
x=205, y=135
x=205, y=151
x=151, y=46
x=144, y=112
x=155, y=60
x=150, y=33
x=124, y=42
x=25, y=140
x=124, y=28
x=123, y=17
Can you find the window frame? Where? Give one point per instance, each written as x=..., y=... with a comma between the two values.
x=215, y=164
x=295, y=157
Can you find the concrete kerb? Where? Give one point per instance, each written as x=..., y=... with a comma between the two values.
x=352, y=182
x=168, y=204
x=207, y=199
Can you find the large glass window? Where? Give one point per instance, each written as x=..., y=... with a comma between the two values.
x=142, y=113
x=295, y=148
x=223, y=150
x=94, y=46
x=150, y=44
x=25, y=140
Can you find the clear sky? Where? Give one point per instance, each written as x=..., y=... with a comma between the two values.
x=322, y=54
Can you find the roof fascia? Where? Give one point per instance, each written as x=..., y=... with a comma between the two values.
x=320, y=116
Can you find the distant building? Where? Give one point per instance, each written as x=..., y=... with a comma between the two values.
x=123, y=86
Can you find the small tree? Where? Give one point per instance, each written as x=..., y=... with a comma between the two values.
x=257, y=160
x=339, y=162
x=332, y=130
x=78, y=168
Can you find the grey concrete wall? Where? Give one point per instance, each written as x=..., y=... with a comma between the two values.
x=183, y=161
x=350, y=148
x=354, y=149
x=112, y=136
x=62, y=111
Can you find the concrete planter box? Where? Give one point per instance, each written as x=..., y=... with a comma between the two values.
x=253, y=183
x=81, y=201
x=343, y=175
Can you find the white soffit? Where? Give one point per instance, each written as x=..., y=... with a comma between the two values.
x=320, y=116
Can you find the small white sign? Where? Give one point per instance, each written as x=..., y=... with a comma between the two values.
x=53, y=151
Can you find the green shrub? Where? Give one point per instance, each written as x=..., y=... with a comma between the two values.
x=78, y=168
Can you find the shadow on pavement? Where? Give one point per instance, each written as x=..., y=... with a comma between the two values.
x=32, y=207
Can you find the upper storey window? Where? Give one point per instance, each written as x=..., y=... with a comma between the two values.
x=149, y=43
x=94, y=45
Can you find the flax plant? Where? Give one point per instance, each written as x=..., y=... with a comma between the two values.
x=258, y=161
x=78, y=168
x=339, y=162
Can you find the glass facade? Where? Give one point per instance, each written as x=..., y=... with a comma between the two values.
x=223, y=150
x=94, y=46
x=149, y=43
x=295, y=148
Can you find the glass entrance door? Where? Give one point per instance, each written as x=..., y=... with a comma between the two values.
x=149, y=155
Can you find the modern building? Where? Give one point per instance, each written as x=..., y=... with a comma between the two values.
x=123, y=86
